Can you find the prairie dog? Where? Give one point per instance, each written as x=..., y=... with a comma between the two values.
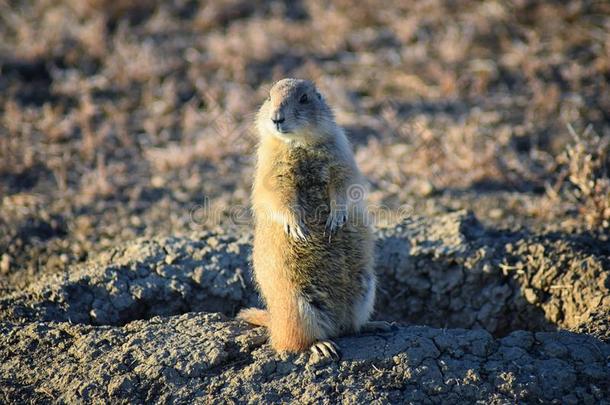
x=313, y=246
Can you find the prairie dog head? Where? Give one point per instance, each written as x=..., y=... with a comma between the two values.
x=295, y=111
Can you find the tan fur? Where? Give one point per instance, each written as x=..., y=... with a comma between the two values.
x=316, y=284
x=255, y=316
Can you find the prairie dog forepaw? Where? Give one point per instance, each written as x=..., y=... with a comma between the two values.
x=336, y=219
x=296, y=229
x=326, y=349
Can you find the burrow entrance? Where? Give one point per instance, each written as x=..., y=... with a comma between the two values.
x=447, y=272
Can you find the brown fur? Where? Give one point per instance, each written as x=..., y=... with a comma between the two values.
x=312, y=288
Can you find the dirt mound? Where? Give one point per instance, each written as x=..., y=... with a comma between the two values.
x=169, y=276
x=116, y=327
x=450, y=271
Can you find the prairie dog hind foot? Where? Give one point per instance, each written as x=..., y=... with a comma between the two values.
x=326, y=349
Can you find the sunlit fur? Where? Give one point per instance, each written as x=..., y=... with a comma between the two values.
x=323, y=286
x=305, y=123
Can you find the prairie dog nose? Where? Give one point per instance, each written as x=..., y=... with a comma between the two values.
x=277, y=117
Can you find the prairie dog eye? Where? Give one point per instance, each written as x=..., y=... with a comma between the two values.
x=303, y=99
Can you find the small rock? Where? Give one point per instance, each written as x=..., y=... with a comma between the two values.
x=285, y=367
x=135, y=220
x=496, y=213
x=555, y=349
x=5, y=263
x=157, y=181
x=268, y=367
x=424, y=188
x=120, y=385
x=519, y=338
x=212, y=242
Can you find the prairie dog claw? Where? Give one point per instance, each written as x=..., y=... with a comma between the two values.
x=326, y=349
x=296, y=230
x=336, y=219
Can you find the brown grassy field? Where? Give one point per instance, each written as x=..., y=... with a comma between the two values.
x=126, y=118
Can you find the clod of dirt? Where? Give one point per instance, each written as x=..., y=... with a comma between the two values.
x=114, y=328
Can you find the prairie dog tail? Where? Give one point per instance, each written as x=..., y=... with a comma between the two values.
x=255, y=316
x=288, y=331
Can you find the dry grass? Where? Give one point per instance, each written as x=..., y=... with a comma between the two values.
x=585, y=178
x=111, y=110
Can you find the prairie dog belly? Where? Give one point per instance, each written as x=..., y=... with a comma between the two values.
x=328, y=272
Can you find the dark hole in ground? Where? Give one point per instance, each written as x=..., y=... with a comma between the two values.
x=448, y=273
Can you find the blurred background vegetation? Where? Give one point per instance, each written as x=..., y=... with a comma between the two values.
x=119, y=118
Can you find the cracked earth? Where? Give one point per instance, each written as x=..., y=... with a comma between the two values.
x=483, y=316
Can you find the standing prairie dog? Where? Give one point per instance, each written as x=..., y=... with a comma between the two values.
x=313, y=246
